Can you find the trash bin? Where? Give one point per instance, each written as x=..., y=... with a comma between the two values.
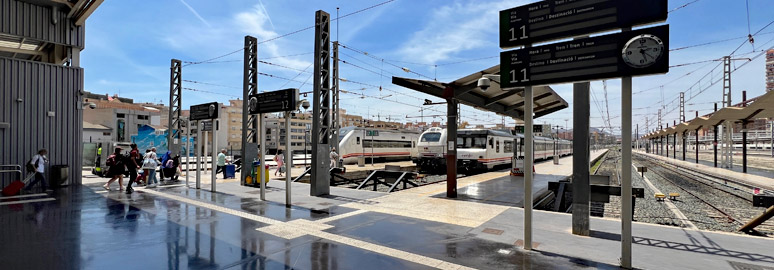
x=254, y=179
x=230, y=171
x=59, y=175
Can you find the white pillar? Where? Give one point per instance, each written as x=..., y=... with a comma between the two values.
x=198, y=153
x=187, y=149
x=214, y=158
x=528, y=162
x=262, y=156
x=288, y=159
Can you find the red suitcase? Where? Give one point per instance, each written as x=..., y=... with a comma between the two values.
x=16, y=186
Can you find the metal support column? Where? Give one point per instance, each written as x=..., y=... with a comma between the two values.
x=581, y=190
x=175, y=106
x=335, y=117
x=744, y=146
x=249, y=122
x=288, y=159
x=320, y=178
x=529, y=159
x=451, y=146
x=214, y=160
x=728, y=143
x=626, y=172
x=262, y=155
x=187, y=149
x=674, y=145
x=199, y=140
x=715, y=141
x=697, y=146
x=684, y=143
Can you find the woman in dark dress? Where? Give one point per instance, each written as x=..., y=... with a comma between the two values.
x=116, y=170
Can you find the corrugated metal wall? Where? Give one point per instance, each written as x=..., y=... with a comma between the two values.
x=42, y=88
x=32, y=21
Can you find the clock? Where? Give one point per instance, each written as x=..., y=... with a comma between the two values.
x=643, y=51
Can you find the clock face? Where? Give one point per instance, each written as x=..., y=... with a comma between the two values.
x=643, y=51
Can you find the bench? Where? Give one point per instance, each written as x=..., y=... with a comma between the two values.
x=673, y=196
x=660, y=196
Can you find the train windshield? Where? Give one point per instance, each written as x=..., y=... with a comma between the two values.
x=344, y=131
x=431, y=137
x=471, y=142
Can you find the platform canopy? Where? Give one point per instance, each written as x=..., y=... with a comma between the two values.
x=756, y=108
x=503, y=102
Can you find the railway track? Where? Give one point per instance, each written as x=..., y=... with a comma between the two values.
x=707, y=199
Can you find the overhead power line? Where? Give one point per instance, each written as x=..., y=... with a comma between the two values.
x=209, y=92
x=212, y=84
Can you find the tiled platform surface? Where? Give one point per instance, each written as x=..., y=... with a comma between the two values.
x=755, y=180
x=175, y=227
x=503, y=189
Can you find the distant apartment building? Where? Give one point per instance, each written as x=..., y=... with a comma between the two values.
x=234, y=124
x=770, y=70
x=300, y=124
x=120, y=115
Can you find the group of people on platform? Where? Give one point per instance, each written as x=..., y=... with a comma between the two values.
x=146, y=164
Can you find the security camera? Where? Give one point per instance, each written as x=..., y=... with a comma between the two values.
x=484, y=84
x=92, y=105
x=305, y=104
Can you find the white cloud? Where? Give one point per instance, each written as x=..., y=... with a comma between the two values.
x=456, y=28
x=256, y=22
x=195, y=13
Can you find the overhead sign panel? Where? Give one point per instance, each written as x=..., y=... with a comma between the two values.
x=205, y=111
x=274, y=101
x=558, y=19
x=631, y=53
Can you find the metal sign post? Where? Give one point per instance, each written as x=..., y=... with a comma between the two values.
x=187, y=149
x=625, y=54
x=529, y=159
x=262, y=155
x=288, y=159
x=214, y=153
x=198, y=151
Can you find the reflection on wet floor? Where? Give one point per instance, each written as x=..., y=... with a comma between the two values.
x=180, y=228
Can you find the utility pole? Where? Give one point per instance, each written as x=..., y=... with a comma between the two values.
x=175, y=106
x=321, y=119
x=335, y=121
x=727, y=158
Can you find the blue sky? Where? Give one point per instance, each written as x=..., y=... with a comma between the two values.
x=129, y=47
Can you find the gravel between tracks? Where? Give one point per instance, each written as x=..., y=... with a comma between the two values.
x=693, y=205
x=646, y=209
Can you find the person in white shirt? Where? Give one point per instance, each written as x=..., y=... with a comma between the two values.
x=334, y=158
x=39, y=161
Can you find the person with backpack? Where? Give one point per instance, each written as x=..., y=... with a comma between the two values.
x=116, y=169
x=38, y=165
x=149, y=164
x=132, y=165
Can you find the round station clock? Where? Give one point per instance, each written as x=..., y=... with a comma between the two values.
x=643, y=51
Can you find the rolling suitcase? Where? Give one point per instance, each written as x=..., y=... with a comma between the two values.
x=14, y=187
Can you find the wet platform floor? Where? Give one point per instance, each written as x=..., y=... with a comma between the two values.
x=174, y=227
x=179, y=228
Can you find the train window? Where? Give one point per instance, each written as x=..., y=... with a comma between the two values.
x=358, y=140
x=479, y=142
x=491, y=144
x=507, y=146
x=497, y=149
x=431, y=137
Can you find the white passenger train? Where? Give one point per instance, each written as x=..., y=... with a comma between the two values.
x=371, y=143
x=482, y=149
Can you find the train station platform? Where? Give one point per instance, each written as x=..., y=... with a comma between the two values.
x=174, y=227
x=503, y=189
x=750, y=179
